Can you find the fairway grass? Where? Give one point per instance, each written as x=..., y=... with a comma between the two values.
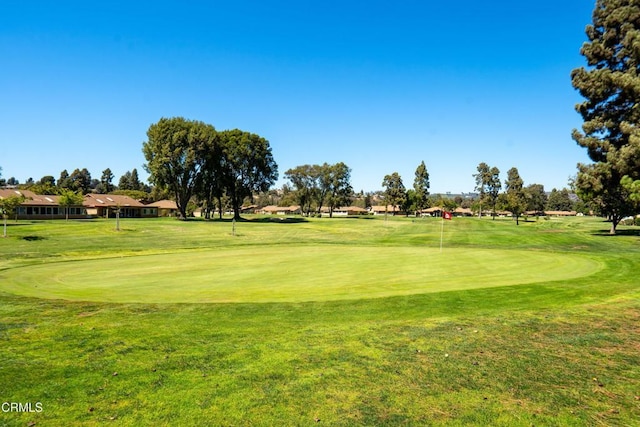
x=343, y=322
x=291, y=273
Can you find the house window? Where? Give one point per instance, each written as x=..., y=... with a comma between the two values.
x=29, y=210
x=55, y=211
x=36, y=210
x=48, y=211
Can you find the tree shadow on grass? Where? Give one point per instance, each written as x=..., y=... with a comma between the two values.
x=279, y=220
x=32, y=238
x=635, y=232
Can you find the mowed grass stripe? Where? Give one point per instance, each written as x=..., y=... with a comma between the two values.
x=290, y=273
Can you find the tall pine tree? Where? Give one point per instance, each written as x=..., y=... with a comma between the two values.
x=610, y=85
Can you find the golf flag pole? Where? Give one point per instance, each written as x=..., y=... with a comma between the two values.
x=445, y=215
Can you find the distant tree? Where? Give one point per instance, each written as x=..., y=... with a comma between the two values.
x=80, y=180
x=47, y=180
x=106, y=182
x=46, y=185
x=516, y=200
x=2, y=181
x=449, y=204
x=559, y=200
x=368, y=200
x=410, y=202
x=248, y=166
x=493, y=189
x=134, y=182
x=125, y=181
x=536, y=197
x=421, y=187
x=69, y=198
x=12, y=181
x=303, y=179
x=64, y=181
x=287, y=197
x=8, y=206
x=488, y=185
x=394, y=190
x=339, y=188
x=175, y=154
x=610, y=113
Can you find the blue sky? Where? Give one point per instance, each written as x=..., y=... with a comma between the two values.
x=379, y=85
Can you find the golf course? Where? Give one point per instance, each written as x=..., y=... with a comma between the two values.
x=341, y=321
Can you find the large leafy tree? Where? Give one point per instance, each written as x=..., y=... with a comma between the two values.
x=248, y=166
x=610, y=85
x=176, y=153
x=516, y=199
x=211, y=187
x=394, y=190
x=421, y=187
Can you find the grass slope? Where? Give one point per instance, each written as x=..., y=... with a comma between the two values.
x=549, y=352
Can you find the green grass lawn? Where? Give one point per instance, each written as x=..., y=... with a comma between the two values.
x=327, y=321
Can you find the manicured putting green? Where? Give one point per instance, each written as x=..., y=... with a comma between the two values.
x=289, y=273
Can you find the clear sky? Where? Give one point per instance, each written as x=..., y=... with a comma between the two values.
x=379, y=85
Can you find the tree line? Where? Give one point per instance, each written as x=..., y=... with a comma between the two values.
x=81, y=182
x=321, y=185
x=191, y=159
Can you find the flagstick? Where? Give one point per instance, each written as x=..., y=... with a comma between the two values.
x=441, y=230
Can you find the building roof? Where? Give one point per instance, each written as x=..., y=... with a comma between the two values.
x=432, y=209
x=560, y=213
x=465, y=211
x=280, y=208
x=31, y=198
x=164, y=204
x=382, y=208
x=6, y=192
x=110, y=200
x=344, y=209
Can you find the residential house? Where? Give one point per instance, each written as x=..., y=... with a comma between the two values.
x=388, y=209
x=38, y=206
x=165, y=207
x=106, y=205
x=560, y=213
x=344, y=211
x=280, y=210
